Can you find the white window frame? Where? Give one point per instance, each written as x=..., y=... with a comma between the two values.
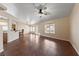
x=34, y=29
x=48, y=28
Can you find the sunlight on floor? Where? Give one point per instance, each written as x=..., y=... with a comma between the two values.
x=34, y=38
x=49, y=45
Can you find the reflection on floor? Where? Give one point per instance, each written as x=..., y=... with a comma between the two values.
x=35, y=45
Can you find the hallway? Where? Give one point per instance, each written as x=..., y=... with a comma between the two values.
x=35, y=45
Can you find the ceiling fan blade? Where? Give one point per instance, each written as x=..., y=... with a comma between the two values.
x=47, y=13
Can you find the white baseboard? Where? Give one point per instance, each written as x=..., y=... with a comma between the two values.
x=1, y=50
x=55, y=37
x=74, y=48
x=64, y=40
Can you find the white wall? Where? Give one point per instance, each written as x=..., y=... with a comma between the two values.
x=75, y=27
x=12, y=35
x=1, y=41
x=62, y=28
x=21, y=26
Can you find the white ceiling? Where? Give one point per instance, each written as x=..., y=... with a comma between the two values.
x=26, y=11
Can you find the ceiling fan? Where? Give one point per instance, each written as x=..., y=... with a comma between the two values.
x=41, y=8
x=42, y=12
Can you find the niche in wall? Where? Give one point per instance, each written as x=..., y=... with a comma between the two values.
x=14, y=27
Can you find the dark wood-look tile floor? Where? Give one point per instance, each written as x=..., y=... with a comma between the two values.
x=35, y=45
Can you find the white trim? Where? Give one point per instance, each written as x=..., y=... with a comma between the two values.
x=74, y=47
x=56, y=38
x=64, y=40
x=1, y=50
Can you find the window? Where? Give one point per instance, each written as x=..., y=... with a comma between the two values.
x=34, y=29
x=50, y=28
x=5, y=28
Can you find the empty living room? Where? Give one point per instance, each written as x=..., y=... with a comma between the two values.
x=39, y=29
